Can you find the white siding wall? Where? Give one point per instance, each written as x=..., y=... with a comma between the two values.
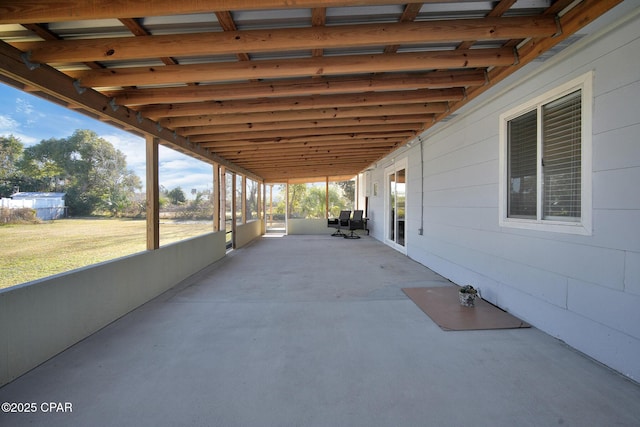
x=584, y=290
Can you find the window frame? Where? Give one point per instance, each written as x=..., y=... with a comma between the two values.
x=583, y=226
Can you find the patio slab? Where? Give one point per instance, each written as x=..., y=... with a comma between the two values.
x=315, y=331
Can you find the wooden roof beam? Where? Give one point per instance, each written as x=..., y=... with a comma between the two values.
x=302, y=67
x=318, y=19
x=137, y=30
x=303, y=103
x=579, y=16
x=288, y=39
x=409, y=14
x=326, y=113
x=318, y=153
x=343, y=161
x=204, y=141
x=228, y=24
x=287, y=133
x=60, y=86
x=21, y=11
x=301, y=148
x=311, y=126
x=303, y=86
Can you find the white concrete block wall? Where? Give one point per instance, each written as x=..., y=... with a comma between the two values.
x=583, y=289
x=42, y=318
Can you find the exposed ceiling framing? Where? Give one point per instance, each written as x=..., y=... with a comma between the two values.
x=276, y=89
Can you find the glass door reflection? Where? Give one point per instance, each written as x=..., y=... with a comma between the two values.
x=396, y=203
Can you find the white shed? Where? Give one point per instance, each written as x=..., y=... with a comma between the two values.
x=48, y=206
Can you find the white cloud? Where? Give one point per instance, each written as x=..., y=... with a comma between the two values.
x=175, y=169
x=32, y=119
x=180, y=170
x=131, y=146
x=10, y=126
x=24, y=106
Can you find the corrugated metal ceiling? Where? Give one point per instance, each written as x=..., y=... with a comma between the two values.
x=285, y=112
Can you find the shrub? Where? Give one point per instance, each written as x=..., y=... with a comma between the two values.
x=18, y=216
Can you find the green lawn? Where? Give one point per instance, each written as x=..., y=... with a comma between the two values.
x=33, y=251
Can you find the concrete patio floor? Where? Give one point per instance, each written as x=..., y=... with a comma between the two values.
x=315, y=331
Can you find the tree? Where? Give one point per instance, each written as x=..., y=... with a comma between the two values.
x=297, y=193
x=11, y=149
x=176, y=196
x=313, y=203
x=88, y=168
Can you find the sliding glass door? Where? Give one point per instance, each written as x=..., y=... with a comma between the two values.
x=395, y=205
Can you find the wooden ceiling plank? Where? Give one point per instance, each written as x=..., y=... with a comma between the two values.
x=303, y=67
x=579, y=16
x=319, y=140
x=139, y=31
x=343, y=161
x=19, y=11
x=296, y=149
x=303, y=103
x=225, y=19
x=52, y=82
x=317, y=145
x=318, y=19
x=258, y=159
x=46, y=34
x=287, y=39
x=304, y=86
x=284, y=133
x=409, y=14
x=312, y=126
x=362, y=152
x=306, y=139
x=497, y=11
x=327, y=113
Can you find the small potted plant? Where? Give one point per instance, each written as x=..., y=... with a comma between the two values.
x=467, y=295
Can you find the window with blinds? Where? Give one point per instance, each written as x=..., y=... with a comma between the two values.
x=523, y=161
x=546, y=160
x=557, y=174
x=561, y=157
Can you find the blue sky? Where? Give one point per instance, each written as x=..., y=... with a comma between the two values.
x=32, y=119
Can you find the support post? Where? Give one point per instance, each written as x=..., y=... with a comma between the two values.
x=223, y=198
x=216, y=197
x=153, y=194
x=326, y=195
x=243, y=205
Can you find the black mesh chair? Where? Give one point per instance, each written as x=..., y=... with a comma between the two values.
x=356, y=223
x=339, y=223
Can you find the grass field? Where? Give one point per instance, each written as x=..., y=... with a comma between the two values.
x=34, y=251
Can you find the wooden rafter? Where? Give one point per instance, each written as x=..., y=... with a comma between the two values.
x=260, y=41
x=304, y=67
x=226, y=22
x=318, y=19
x=307, y=93
x=304, y=103
x=299, y=87
x=21, y=11
x=50, y=81
x=325, y=113
x=307, y=132
x=409, y=15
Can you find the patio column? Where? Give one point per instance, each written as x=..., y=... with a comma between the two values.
x=216, y=197
x=153, y=194
x=326, y=196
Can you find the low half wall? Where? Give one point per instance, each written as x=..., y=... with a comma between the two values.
x=245, y=233
x=42, y=318
x=308, y=226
